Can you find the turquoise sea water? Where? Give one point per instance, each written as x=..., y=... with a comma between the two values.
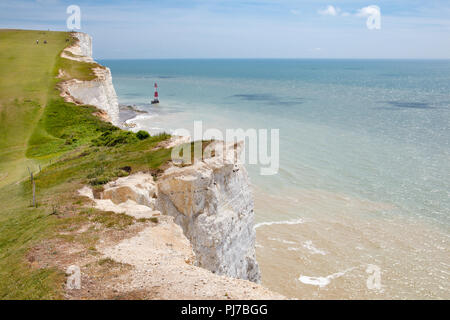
x=367, y=142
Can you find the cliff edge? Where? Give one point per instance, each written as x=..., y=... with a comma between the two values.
x=212, y=201
x=97, y=219
x=99, y=92
x=201, y=243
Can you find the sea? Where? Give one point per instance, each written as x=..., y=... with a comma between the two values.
x=360, y=205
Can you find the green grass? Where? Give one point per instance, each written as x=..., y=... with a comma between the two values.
x=27, y=90
x=72, y=147
x=25, y=78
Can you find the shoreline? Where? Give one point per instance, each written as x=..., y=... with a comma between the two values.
x=127, y=113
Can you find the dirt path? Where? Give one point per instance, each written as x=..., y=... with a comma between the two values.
x=162, y=261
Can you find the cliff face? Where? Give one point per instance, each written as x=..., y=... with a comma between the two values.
x=82, y=49
x=99, y=92
x=212, y=202
x=162, y=260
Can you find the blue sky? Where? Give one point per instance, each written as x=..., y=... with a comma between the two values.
x=246, y=29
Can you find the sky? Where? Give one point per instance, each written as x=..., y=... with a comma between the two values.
x=137, y=29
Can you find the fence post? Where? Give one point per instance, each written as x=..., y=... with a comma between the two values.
x=33, y=185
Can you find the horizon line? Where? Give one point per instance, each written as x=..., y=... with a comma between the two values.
x=281, y=58
x=243, y=58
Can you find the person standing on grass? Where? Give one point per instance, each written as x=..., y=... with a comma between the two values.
x=37, y=41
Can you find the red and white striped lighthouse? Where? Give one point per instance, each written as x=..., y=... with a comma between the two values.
x=155, y=99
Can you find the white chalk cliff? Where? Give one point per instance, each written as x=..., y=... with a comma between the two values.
x=210, y=200
x=99, y=92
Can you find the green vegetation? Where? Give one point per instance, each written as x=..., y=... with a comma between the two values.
x=112, y=137
x=154, y=219
x=142, y=135
x=65, y=146
x=109, y=219
x=106, y=261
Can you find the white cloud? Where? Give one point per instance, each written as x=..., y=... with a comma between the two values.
x=330, y=11
x=295, y=12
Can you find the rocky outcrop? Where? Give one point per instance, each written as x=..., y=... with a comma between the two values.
x=80, y=51
x=161, y=256
x=139, y=188
x=211, y=200
x=134, y=195
x=99, y=92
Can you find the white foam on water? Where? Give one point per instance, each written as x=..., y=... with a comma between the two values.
x=309, y=245
x=141, y=117
x=322, y=281
x=291, y=222
x=282, y=241
x=315, y=281
x=136, y=121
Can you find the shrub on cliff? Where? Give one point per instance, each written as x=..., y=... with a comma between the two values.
x=142, y=135
x=112, y=138
x=100, y=176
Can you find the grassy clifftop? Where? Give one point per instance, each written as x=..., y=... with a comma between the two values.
x=66, y=146
x=25, y=79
